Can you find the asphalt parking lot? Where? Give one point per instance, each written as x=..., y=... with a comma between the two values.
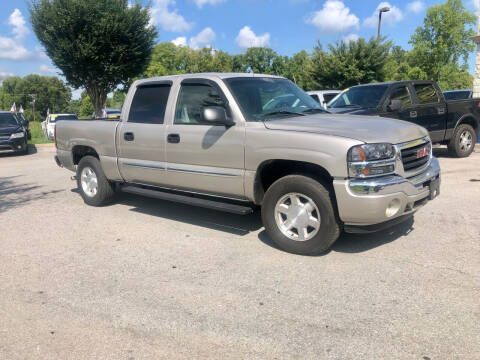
x=146, y=279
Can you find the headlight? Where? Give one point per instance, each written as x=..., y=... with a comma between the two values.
x=371, y=160
x=17, y=135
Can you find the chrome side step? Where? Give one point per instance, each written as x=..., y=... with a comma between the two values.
x=189, y=200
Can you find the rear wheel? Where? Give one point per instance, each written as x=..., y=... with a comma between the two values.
x=298, y=215
x=94, y=187
x=463, y=141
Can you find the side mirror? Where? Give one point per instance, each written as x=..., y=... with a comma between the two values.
x=25, y=123
x=216, y=115
x=395, y=105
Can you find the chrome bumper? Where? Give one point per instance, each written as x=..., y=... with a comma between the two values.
x=366, y=201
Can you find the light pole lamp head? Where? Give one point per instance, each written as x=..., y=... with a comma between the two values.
x=384, y=9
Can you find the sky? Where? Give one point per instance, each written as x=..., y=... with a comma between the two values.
x=287, y=26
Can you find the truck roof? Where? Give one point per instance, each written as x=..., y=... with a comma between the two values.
x=402, y=82
x=210, y=75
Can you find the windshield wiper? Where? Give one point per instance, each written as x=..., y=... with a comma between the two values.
x=283, y=112
x=314, y=110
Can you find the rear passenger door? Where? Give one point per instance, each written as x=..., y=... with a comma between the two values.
x=141, y=137
x=431, y=110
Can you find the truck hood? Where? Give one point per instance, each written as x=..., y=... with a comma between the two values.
x=368, y=129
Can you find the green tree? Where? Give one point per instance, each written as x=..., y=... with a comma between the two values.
x=96, y=44
x=452, y=78
x=49, y=92
x=262, y=60
x=297, y=68
x=346, y=64
x=444, y=38
x=86, y=108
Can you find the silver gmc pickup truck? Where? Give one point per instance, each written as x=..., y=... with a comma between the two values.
x=233, y=142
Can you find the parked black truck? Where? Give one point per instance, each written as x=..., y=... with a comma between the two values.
x=454, y=123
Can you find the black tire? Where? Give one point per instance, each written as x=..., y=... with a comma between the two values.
x=455, y=145
x=105, y=190
x=329, y=230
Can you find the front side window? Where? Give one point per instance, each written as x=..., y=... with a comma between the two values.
x=315, y=97
x=403, y=95
x=191, y=101
x=268, y=98
x=426, y=93
x=149, y=104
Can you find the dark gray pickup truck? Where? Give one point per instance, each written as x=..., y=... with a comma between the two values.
x=454, y=123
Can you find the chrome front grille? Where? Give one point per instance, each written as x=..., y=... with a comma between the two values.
x=416, y=157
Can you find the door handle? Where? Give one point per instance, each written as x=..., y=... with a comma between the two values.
x=413, y=114
x=128, y=136
x=173, y=138
x=441, y=111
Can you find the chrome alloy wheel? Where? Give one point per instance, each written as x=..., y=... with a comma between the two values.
x=89, y=181
x=297, y=217
x=466, y=140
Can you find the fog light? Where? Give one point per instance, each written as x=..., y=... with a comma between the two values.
x=19, y=146
x=393, y=208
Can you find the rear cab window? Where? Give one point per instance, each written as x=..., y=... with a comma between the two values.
x=426, y=93
x=149, y=104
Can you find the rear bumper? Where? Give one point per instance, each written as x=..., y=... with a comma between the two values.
x=381, y=200
x=13, y=145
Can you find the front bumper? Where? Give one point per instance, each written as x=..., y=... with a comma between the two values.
x=366, y=202
x=13, y=145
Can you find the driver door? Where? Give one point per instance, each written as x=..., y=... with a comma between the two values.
x=202, y=157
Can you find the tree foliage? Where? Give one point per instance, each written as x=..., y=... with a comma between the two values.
x=49, y=92
x=444, y=39
x=350, y=63
x=96, y=44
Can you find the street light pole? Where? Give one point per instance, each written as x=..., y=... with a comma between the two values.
x=382, y=10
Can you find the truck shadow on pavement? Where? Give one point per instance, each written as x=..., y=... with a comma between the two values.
x=243, y=225
x=215, y=220
x=14, y=194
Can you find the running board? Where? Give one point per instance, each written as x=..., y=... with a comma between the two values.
x=189, y=200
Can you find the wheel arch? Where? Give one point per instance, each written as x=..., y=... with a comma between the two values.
x=270, y=171
x=80, y=151
x=469, y=119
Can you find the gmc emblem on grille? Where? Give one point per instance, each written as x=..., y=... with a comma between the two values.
x=422, y=152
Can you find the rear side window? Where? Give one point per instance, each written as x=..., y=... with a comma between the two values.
x=426, y=93
x=149, y=104
x=403, y=95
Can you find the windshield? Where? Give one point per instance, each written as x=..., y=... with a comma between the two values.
x=268, y=98
x=457, y=95
x=7, y=120
x=55, y=118
x=361, y=96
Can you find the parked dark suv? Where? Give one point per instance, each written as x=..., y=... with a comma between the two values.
x=13, y=135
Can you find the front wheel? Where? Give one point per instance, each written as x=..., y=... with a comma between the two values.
x=298, y=215
x=94, y=187
x=463, y=141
